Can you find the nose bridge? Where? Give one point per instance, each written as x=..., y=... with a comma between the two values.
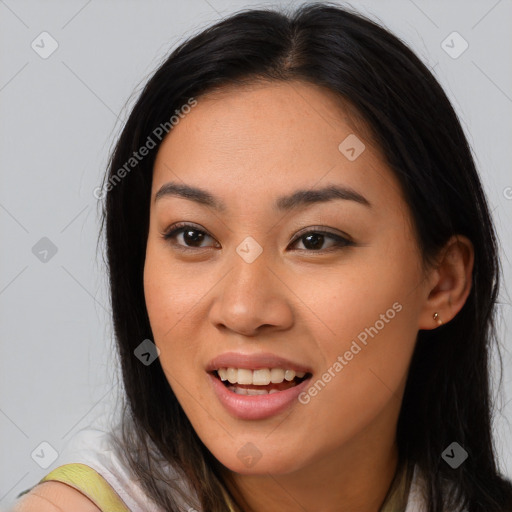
x=250, y=278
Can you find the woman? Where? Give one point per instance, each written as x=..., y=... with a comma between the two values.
x=294, y=218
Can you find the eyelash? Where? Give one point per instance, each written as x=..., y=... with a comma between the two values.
x=181, y=227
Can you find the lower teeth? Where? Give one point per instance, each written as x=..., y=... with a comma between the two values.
x=245, y=391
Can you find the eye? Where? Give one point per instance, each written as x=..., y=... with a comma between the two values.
x=191, y=235
x=312, y=240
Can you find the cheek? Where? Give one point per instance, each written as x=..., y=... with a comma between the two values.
x=366, y=327
x=365, y=298
x=170, y=293
x=170, y=297
x=362, y=379
x=167, y=304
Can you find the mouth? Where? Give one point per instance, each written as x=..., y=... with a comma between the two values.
x=262, y=381
x=257, y=386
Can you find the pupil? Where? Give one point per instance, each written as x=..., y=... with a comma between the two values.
x=192, y=239
x=316, y=236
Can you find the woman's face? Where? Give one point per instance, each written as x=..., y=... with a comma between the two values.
x=326, y=285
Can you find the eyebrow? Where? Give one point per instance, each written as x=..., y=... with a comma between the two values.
x=283, y=203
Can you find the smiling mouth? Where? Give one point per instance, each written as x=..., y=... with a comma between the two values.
x=264, y=381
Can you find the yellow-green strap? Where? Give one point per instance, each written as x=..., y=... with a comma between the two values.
x=89, y=482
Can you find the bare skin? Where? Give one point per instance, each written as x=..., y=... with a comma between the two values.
x=54, y=497
x=247, y=146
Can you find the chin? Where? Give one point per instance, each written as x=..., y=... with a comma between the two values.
x=258, y=464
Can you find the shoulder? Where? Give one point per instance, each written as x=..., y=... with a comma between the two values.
x=54, y=497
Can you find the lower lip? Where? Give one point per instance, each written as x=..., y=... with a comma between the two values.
x=256, y=407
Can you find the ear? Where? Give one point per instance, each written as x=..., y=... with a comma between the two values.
x=449, y=283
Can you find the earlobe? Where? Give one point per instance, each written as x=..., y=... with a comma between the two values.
x=450, y=284
x=437, y=318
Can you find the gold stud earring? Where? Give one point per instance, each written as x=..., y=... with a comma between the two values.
x=438, y=319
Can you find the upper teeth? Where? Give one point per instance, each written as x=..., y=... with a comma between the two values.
x=258, y=377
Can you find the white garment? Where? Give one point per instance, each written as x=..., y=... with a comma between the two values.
x=91, y=446
x=416, y=500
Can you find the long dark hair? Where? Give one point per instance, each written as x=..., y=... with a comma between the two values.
x=448, y=392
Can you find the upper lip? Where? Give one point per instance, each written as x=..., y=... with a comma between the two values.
x=254, y=362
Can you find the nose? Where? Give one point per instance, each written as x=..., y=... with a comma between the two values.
x=252, y=298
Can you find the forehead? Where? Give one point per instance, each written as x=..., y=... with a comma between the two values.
x=265, y=139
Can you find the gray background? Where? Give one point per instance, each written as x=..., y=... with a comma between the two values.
x=59, y=116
